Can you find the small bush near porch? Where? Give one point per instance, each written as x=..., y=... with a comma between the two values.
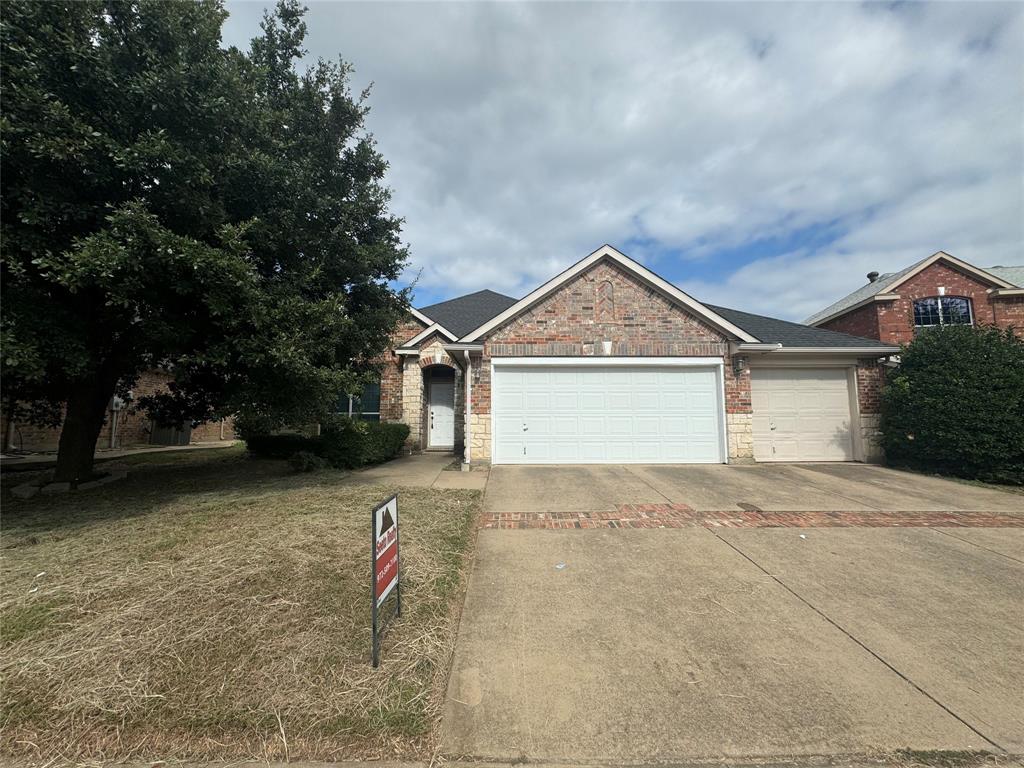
x=342, y=442
x=218, y=608
x=955, y=405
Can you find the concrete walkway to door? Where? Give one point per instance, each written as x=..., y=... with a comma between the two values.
x=720, y=487
x=421, y=470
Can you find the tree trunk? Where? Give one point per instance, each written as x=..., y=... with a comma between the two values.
x=83, y=420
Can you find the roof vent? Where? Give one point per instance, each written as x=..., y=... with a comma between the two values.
x=872, y=276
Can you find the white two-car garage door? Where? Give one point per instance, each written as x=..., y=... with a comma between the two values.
x=801, y=414
x=593, y=414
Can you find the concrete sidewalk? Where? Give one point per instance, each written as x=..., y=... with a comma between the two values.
x=757, y=645
x=34, y=461
x=421, y=470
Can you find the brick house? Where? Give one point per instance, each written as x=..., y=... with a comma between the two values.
x=123, y=428
x=939, y=290
x=609, y=363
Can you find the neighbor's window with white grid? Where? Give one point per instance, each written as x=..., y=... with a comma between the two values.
x=942, y=310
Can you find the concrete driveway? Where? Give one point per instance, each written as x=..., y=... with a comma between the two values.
x=715, y=487
x=754, y=644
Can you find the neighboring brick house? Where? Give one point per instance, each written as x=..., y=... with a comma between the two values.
x=610, y=363
x=124, y=428
x=939, y=290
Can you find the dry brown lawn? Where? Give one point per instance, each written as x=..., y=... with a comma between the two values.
x=217, y=607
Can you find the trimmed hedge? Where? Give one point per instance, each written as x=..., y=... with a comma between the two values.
x=280, y=446
x=350, y=443
x=343, y=442
x=955, y=405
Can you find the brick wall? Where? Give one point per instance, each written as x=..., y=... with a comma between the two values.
x=1009, y=312
x=737, y=390
x=29, y=437
x=870, y=379
x=636, y=319
x=893, y=321
x=132, y=427
x=862, y=321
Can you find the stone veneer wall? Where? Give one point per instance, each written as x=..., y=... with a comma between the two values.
x=413, y=397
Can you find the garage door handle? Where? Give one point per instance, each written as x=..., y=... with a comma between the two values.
x=525, y=428
x=772, y=427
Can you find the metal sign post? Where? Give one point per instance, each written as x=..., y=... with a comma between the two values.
x=385, y=569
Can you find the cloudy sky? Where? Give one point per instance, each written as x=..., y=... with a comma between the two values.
x=763, y=156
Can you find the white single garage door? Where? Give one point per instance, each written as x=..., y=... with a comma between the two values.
x=555, y=414
x=801, y=414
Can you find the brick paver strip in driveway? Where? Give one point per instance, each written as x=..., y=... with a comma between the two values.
x=664, y=645
x=681, y=516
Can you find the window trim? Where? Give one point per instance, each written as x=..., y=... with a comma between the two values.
x=942, y=321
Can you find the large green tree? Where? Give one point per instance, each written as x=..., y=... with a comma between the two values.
x=168, y=202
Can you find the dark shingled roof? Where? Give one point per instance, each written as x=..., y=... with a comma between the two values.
x=466, y=313
x=772, y=331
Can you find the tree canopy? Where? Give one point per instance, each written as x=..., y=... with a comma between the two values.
x=169, y=202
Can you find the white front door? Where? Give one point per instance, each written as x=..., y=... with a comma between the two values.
x=441, y=412
x=801, y=414
x=606, y=414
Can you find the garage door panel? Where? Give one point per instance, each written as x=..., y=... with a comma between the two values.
x=647, y=426
x=674, y=425
x=564, y=401
x=701, y=401
x=613, y=414
x=640, y=402
x=801, y=414
x=562, y=425
x=539, y=427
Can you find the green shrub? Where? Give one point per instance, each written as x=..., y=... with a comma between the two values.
x=343, y=442
x=250, y=425
x=350, y=443
x=384, y=440
x=955, y=405
x=281, y=446
x=304, y=461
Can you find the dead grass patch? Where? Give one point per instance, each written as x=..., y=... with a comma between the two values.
x=210, y=611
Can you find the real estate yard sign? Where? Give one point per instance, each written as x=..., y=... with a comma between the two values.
x=385, y=565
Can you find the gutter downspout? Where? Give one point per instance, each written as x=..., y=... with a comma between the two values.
x=467, y=430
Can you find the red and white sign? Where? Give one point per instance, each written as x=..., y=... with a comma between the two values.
x=385, y=559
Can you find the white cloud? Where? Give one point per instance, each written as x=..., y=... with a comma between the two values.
x=522, y=136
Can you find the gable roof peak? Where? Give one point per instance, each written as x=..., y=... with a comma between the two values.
x=637, y=269
x=891, y=281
